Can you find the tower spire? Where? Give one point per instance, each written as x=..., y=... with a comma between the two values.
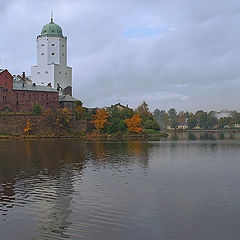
x=51, y=15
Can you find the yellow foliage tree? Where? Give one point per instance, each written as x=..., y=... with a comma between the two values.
x=79, y=109
x=63, y=117
x=28, y=128
x=100, y=118
x=134, y=123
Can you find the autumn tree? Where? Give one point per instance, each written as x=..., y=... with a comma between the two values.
x=100, y=119
x=28, y=128
x=144, y=112
x=79, y=109
x=134, y=124
x=148, y=120
x=63, y=117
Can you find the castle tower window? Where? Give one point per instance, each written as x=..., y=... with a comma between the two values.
x=53, y=44
x=46, y=72
x=42, y=45
x=53, y=53
x=42, y=54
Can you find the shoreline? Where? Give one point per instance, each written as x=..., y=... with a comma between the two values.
x=203, y=130
x=86, y=137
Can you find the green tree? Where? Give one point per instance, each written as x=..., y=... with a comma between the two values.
x=165, y=120
x=37, y=109
x=116, y=123
x=173, y=118
x=192, y=121
x=158, y=116
x=211, y=120
x=202, y=119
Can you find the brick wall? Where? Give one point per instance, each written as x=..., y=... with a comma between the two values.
x=14, y=125
x=24, y=101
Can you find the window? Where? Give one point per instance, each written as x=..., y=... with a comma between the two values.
x=6, y=84
x=65, y=73
x=62, y=54
x=60, y=72
x=42, y=54
x=53, y=53
x=46, y=72
x=62, y=45
x=38, y=72
x=42, y=45
x=53, y=44
x=4, y=98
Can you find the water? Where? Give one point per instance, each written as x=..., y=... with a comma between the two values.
x=168, y=189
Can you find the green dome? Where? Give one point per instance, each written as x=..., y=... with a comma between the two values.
x=51, y=30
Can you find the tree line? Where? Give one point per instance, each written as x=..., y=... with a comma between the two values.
x=200, y=119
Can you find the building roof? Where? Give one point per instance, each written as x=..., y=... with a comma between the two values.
x=67, y=98
x=51, y=30
x=32, y=87
x=2, y=70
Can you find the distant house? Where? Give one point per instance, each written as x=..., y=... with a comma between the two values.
x=236, y=125
x=183, y=126
x=21, y=95
x=119, y=106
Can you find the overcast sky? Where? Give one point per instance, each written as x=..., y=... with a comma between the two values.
x=171, y=53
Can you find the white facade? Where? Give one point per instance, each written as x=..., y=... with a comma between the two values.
x=52, y=62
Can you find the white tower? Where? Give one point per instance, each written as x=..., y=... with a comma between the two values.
x=52, y=59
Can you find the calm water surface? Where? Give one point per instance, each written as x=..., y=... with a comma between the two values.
x=184, y=187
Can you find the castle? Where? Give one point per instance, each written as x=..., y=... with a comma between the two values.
x=50, y=84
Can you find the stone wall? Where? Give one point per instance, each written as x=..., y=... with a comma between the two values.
x=14, y=125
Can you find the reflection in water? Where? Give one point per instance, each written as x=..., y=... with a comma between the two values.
x=167, y=189
x=120, y=153
x=198, y=135
x=39, y=173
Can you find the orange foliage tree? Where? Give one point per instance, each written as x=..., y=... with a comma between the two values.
x=28, y=128
x=134, y=123
x=100, y=118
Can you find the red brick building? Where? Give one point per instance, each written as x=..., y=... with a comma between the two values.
x=21, y=96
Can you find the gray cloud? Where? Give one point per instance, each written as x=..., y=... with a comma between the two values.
x=182, y=54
